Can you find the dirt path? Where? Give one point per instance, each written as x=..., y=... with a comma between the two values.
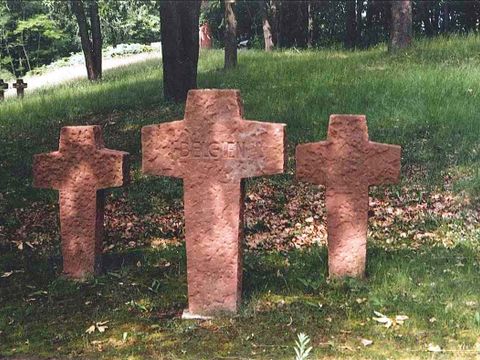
x=78, y=71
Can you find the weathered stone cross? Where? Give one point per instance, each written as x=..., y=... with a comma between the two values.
x=80, y=169
x=213, y=149
x=20, y=86
x=3, y=87
x=347, y=164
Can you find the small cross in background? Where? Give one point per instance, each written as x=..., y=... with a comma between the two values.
x=3, y=87
x=20, y=86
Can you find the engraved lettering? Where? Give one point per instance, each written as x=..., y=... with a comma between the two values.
x=231, y=150
x=242, y=147
x=214, y=149
x=196, y=149
x=184, y=149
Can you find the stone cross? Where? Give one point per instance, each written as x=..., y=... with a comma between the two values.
x=3, y=87
x=347, y=164
x=212, y=150
x=20, y=86
x=80, y=169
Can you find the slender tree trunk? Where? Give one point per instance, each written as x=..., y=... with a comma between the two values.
x=445, y=17
x=351, y=24
x=470, y=13
x=93, y=54
x=386, y=14
x=401, y=30
x=358, y=33
x=180, y=47
x=96, y=39
x=230, y=35
x=267, y=29
x=301, y=30
x=275, y=9
x=311, y=22
x=26, y=55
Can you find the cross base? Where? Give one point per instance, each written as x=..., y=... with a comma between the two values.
x=187, y=315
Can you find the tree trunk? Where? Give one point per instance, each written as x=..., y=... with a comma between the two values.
x=445, y=17
x=401, y=30
x=230, y=35
x=358, y=33
x=96, y=39
x=267, y=30
x=92, y=48
x=180, y=47
x=311, y=22
x=351, y=24
x=275, y=9
x=471, y=16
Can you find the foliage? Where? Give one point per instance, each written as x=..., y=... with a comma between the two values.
x=36, y=33
x=129, y=21
x=301, y=350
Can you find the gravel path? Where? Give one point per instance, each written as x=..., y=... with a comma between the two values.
x=78, y=71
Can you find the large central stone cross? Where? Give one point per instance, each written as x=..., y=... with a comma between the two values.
x=80, y=169
x=347, y=164
x=213, y=149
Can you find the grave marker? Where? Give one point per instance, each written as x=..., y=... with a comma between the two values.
x=213, y=149
x=3, y=87
x=347, y=164
x=80, y=170
x=20, y=86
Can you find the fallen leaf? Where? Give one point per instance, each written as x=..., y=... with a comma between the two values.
x=399, y=319
x=366, y=342
x=434, y=348
x=382, y=319
x=90, y=330
x=7, y=274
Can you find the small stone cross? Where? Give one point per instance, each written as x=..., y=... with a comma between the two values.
x=347, y=164
x=80, y=170
x=20, y=86
x=212, y=150
x=3, y=87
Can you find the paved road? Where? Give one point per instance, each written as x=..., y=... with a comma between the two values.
x=78, y=71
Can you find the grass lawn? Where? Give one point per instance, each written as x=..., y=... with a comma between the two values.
x=424, y=236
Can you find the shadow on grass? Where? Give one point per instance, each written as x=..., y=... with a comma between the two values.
x=143, y=292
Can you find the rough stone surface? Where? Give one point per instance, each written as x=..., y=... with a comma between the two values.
x=20, y=86
x=80, y=170
x=213, y=149
x=347, y=164
x=3, y=87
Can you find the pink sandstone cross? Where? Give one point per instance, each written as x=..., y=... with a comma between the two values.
x=80, y=170
x=3, y=87
x=347, y=164
x=20, y=86
x=213, y=149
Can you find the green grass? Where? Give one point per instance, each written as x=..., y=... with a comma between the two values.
x=284, y=294
x=425, y=100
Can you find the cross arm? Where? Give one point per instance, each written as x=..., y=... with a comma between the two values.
x=265, y=148
x=311, y=162
x=48, y=170
x=111, y=168
x=162, y=149
x=383, y=163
